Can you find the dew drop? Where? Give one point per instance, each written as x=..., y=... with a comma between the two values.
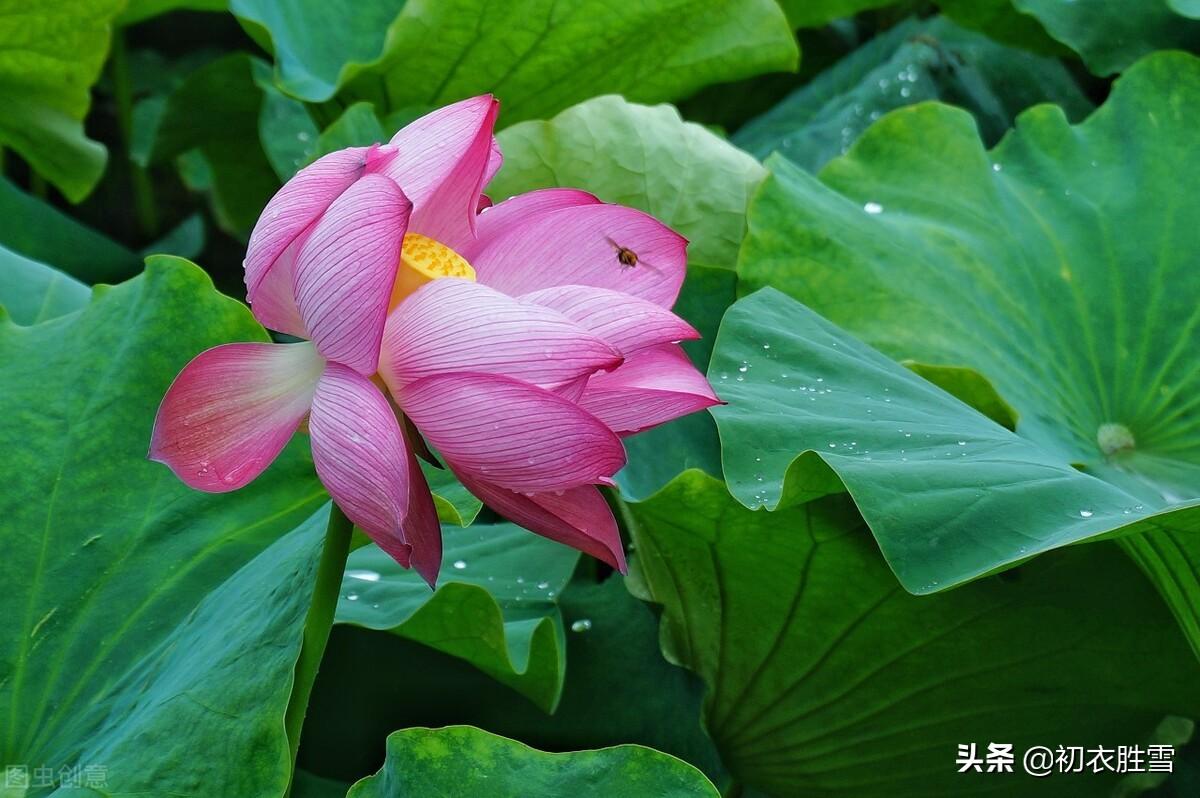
x=363, y=575
x=351, y=597
x=873, y=208
x=1085, y=513
x=543, y=585
x=461, y=564
x=582, y=625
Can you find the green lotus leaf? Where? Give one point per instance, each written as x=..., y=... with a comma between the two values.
x=425, y=53
x=49, y=59
x=216, y=113
x=145, y=623
x=618, y=688
x=814, y=13
x=142, y=10
x=1041, y=266
x=39, y=231
x=1000, y=21
x=825, y=679
x=1111, y=34
x=694, y=181
x=33, y=292
x=915, y=61
x=462, y=760
x=495, y=606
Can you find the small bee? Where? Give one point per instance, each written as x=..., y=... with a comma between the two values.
x=626, y=256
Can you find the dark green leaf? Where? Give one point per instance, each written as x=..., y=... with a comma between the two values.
x=150, y=629
x=1111, y=34
x=462, y=760
x=618, y=689
x=38, y=230
x=916, y=61
x=217, y=111
x=495, y=606
x=826, y=679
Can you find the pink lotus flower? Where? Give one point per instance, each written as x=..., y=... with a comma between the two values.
x=521, y=342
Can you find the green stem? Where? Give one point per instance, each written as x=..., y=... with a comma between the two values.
x=139, y=180
x=319, y=621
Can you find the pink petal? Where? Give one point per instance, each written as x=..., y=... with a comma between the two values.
x=296, y=206
x=511, y=433
x=345, y=271
x=456, y=325
x=231, y=410
x=274, y=303
x=520, y=209
x=443, y=166
x=580, y=246
x=361, y=456
x=626, y=322
x=422, y=529
x=495, y=161
x=578, y=517
x=650, y=388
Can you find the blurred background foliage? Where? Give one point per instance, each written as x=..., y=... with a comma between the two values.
x=164, y=126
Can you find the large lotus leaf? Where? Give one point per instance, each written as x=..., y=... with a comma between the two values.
x=1111, y=34
x=694, y=181
x=915, y=61
x=318, y=44
x=496, y=604
x=33, y=292
x=949, y=493
x=618, y=689
x=429, y=53
x=144, y=622
x=463, y=760
x=1003, y=23
x=561, y=52
x=51, y=54
x=36, y=229
x=1040, y=265
x=826, y=679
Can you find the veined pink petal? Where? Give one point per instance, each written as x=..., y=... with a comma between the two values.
x=578, y=517
x=583, y=245
x=296, y=206
x=231, y=410
x=422, y=529
x=650, y=388
x=274, y=303
x=443, y=165
x=511, y=433
x=345, y=271
x=519, y=209
x=627, y=322
x=495, y=161
x=361, y=456
x=451, y=325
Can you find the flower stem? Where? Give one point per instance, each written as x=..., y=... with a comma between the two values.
x=139, y=180
x=319, y=621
